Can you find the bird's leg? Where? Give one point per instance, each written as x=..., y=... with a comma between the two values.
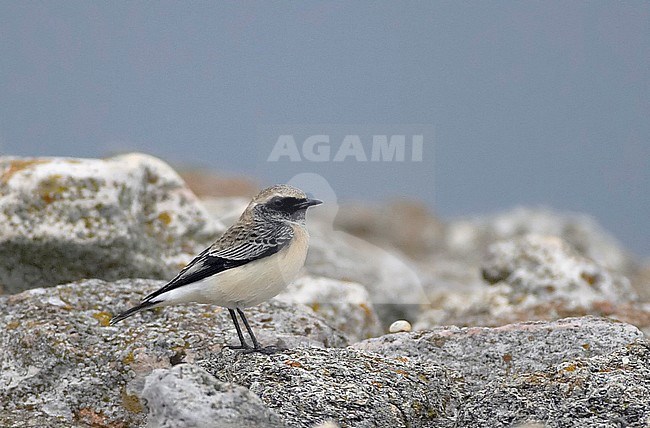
x=256, y=344
x=243, y=345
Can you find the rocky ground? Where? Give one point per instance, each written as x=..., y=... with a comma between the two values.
x=526, y=318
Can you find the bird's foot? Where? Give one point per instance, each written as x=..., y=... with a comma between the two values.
x=244, y=347
x=266, y=350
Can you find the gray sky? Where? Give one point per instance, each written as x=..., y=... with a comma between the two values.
x=522, y=103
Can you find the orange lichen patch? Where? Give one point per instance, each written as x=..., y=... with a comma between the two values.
x=51, y=188
x=131, y=402
x=165, y=218
x=128, y=359
x=402, y=372
x=507, y=358
x=402, y=359
x=104, y=318
x=366, y=310
x=586, y=346
x=590, y=279
x=12, y=325
x=17, y=166
x=92, y=418
x=315, y=306
x=293, y=363
x=570, y=368
x=152, y=178
x=377, y=384
x=535, y=379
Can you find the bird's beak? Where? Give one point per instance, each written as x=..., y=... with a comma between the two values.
x=308, y=203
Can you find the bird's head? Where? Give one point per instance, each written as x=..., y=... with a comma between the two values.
x=281, y=202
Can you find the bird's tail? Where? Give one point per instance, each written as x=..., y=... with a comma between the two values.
x=134, y=310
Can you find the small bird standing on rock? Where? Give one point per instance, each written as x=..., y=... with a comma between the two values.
x=253, y=261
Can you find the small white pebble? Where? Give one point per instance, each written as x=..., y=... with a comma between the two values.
x=625, y=360
x=56, y=301
x=399, y=326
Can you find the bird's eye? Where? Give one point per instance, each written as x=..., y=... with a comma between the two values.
x=277, y=203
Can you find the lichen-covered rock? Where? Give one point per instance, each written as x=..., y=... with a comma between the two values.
x=344, y=305
x=60, y=360
x=305, y=386
x=537, y=278
x=542, y=268
x=472, y=237
x=485, y=354
x=186, y=396
x=62, y=219
x=603, y=391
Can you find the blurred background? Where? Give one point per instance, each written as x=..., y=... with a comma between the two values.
x=519, y=103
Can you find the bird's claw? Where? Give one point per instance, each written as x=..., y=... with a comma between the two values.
x=242, y=347
x=246, y=349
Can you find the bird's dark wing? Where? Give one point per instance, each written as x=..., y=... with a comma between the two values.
x=238, y=246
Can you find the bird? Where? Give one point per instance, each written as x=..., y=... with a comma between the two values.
x=253, y=260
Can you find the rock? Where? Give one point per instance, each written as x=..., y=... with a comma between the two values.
x=60, y=360
x=400, y=326
x=226, y=210
x=605, y=391
x=186, y=396
x=640, y=280
x=537, y=277
x=580, y=231
x=544, y=268
x=391, y=280
x=62, y=219
x=450, y=274
x=407, y=226
x=486, y=354
x=307, y=386
x=205, y=183
x=343, y=305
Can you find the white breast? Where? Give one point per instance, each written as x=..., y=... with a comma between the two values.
x=251, y=284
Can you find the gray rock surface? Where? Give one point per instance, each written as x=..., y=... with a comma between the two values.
x=545, y=268
x=63, y=219
x=306, y=386
x=226, y=210
x=603, y=391
x=186, y=396
x=484, y=354
x=448, y=255
x=59, y=359
x=344, y=305
x=640, y=280
x=473, y=236
x=391, y=279
x=536, y=277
